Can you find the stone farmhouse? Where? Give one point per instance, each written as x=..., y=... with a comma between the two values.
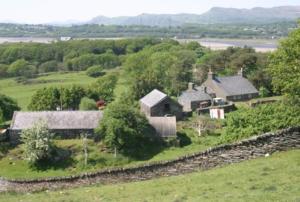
x=162, y=112
x=228, y=88
x=194, y=97
x=66, y=124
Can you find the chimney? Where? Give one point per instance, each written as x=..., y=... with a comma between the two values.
x=205, y=89
x=211, y=75
x=241, y=72
x=191, y=86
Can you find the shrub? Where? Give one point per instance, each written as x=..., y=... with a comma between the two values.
x=37, y=142
x=21, y=68
x=50, y=66
x=1, y=118
x=3, y=70
x=264, y=92
x=87, y=104
x=94, y=71
x=246, y=122
x=8, y=106
x=104, y=88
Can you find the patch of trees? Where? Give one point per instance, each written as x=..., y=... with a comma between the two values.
x=166, y=66
x=28, y=59
x=70, y=98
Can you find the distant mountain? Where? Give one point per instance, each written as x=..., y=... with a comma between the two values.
x=66, y=23
x=213, y=16
x=254, y=15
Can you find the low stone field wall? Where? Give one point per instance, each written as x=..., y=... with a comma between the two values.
x=255, y=147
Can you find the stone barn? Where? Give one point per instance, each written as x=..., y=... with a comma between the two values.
x=158, y=104
x=65, y=124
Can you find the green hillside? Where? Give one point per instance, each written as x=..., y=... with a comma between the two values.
x=274, y=178
x=22, y=93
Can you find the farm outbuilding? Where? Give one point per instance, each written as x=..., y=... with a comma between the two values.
x=161, y=112
x=66, y=124
x=164, y=126
x=158, y=104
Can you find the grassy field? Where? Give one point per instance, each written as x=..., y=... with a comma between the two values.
x=275, y=178
x=22, y=93
x=13, y=165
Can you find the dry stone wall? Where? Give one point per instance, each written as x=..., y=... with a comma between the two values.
x=219, y=156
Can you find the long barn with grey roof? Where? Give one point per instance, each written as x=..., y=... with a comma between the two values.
x=66, y=124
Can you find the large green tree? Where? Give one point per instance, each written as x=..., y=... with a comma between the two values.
x=45, y=99
x=166, y=66
x=123, y=128
x=285, y=66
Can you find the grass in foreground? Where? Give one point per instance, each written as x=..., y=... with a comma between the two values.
x=12, y=164
x=275, y=178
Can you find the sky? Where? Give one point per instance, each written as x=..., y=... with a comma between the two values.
x=47, y=11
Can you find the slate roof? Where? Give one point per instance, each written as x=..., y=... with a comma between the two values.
x=153, y=98
x=234, y=85
x=197, y=94
x=57, y=119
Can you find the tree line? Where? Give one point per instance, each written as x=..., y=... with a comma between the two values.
x=28, y=59
x=267, y=30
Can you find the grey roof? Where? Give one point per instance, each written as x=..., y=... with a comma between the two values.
x=57, y=119
x=197, y=94
x=153, y=98
x=235, y=85
x=208, y=89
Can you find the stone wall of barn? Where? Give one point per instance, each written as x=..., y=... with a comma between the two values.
x=259, y=146
x=242, y=97
x=14, y=135
x=145, y=109
x=160, y=109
